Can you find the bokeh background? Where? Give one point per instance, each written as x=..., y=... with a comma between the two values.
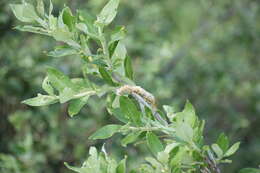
x=206, y=51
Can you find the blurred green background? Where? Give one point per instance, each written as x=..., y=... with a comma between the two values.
x=206, y=51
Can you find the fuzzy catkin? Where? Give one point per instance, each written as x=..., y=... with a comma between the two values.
x=128, y=89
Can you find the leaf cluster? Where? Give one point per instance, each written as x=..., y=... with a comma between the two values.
x=175, y=139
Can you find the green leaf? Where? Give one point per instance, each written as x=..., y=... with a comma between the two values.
x=128, y=68
x=130, y=138
x=163, y=157
x=68, y=18
x=24, y=12
x=130, y=110
x=111, y=165
x=32, y=29
x=106, y=76
x=169, y=112
x=86, y=25
x=82, y=27
x=121, y=168
x=154, y=143
x=184, y=132
x=76, y=169
x=119, y=52
x=118, y=34
x=190, y=115
x=47, y=86
x=41, y=100
x=66, y=94
x=100, y=62
x=53, y=23
x=217, y=150
x=93, y=163
x=62, y=52
x=249, y=170
x=232, y=149
x=144, y=168
x=63, y=35
x=61, y=24
x=81, y=85
x=124, y=79
x=50, y=7
x=87, y=30
x=76, y=105
x=108, y=13
x=40, y=8
x=119, y=115
x=58, y=79
x=112, y=47
x=223, y=142
x=105, y=132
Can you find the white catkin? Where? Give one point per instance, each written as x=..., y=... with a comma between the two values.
x=143, y=97
x=128, y=89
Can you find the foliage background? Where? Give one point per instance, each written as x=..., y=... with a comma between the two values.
x=205, y=51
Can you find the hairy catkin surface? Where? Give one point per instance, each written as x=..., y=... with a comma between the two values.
x=128, y=89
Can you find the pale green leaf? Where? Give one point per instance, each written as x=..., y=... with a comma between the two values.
x=40, y=8
x=119, y=115
x=112, y=47
x=41, y=100
x=130, y=138
x=76, y=169
x=145, y=168
x=68, y=18
x=119, y=52
x=62, y=52
x=111, y=165
x=53, y=22
x=47, y=86
x=154, y=143
x=108, y=13
x=187, y=115
x=130, y=110
x=217, y=150
x=106, y=76
x=81, y=85
x=163, y=157
x=66, y=94
x=62, y=34
x=76, y=105
x=50, y=7
x=232, y=149
x=58, y=79
x=128, y=67
x=105, y=132
x=155, y=163
x=32, y=29
x=24, y=12
x=190, y=115
x=169, y=112
x=82, y=27
x=184, y=132
x=121, y=168
x=223, y=142
x=87, y=30
x=118, y=34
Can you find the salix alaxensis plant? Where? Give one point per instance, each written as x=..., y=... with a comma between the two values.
x=175, y=139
